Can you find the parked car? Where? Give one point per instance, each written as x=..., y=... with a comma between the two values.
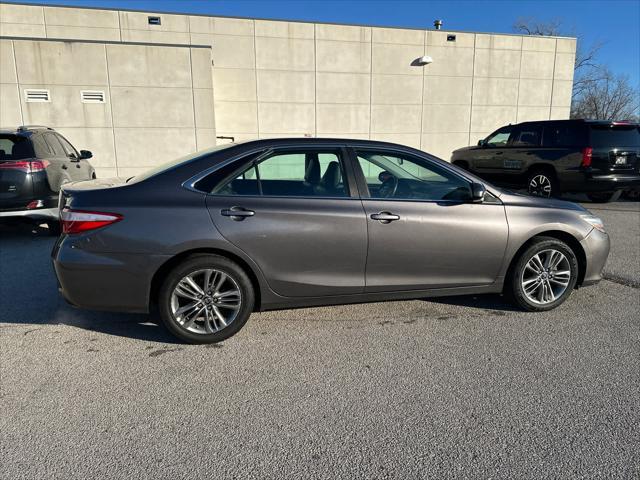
x=549, y=158
x=34, y=162
x=282, y=223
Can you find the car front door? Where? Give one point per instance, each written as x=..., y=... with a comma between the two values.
x=489, y=159
x=296, y=214
x=80, y=168
x=424, y=230
x=60, y=160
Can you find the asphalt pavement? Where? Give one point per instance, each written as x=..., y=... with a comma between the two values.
x=463, y=387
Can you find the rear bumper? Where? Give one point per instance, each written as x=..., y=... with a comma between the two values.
x=104, y=281
x=35, y=214
x=587, y=182
x=596, y=247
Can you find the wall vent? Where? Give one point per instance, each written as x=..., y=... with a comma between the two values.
x=36, y=95
x=154, y=20
x=92, y=96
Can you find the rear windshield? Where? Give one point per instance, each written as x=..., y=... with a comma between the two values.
x=178, y=161
x=14, y=147
x=615, y=136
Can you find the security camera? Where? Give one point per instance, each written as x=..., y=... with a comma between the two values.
x=422, y=61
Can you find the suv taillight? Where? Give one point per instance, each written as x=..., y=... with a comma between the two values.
x=587, y=153
x=27, y=166
x=76, y=221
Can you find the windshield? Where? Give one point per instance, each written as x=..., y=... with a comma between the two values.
x=178, y=161
x=615, y=136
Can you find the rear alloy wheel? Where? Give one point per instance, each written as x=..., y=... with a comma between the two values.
x=604, y=197
x=542, y=184
x=543, y=276
x=206, y=299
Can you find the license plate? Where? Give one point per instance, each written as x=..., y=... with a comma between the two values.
x=621, y=160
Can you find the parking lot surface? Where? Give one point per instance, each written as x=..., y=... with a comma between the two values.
x=453, y=387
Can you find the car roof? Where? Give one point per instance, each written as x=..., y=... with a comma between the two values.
x=332, y=141
x=24, y=130
x=579, y=120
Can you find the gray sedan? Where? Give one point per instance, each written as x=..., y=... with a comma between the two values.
x=284, y=223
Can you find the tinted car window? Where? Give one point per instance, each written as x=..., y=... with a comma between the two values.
x=15, y=147
x=40, y=146
x=68, y=148
x=54, y=145
x=563, y=135
x=404, y=177
x=611, y=136
x=527, y=136
x=291, y=173
x=499, y=138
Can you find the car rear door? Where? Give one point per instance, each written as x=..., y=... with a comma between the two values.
x=427, y=233
x=296, y=213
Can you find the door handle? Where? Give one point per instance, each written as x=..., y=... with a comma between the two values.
x=385, y=217
x=64, y=167
x=499, y=153
x=237, y=213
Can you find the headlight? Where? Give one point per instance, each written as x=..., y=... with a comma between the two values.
x=595, y=222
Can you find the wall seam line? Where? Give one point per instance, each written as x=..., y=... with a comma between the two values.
x=424, y=52
x=255, y=69
x=370, y=81
x=473, y=76
x=113, y=126
x=553, y=76
x=519, y=78
x=15, y=65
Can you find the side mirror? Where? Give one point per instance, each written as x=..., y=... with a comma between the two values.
x=84, y=154
x=477, y=192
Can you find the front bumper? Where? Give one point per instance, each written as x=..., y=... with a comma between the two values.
x=104, y=281
x=596, y=247
x=35, y=214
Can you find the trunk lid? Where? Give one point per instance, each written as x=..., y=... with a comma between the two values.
x=616, y=148
x=16, y=186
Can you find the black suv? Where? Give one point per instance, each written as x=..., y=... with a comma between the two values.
x=600, y=158
x=34, y=162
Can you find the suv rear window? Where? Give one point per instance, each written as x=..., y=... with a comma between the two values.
x=15, y=147
x=615, y=136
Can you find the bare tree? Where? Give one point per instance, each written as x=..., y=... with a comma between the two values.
x=609, y=97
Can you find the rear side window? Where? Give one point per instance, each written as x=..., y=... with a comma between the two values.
x=526, y=136
x=40, y=146
x=615, y=136
x=563, y=135
x=15, y=147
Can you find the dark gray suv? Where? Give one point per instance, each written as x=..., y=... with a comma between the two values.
x=282, y=223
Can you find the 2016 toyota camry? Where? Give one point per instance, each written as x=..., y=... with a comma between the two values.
x=273, y=224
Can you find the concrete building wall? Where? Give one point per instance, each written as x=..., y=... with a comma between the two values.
x=278, y=78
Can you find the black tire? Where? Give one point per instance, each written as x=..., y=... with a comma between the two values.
x=513, y=285
x=538, y=180
x=55, y=229
x=193, y=264
x=604, y=197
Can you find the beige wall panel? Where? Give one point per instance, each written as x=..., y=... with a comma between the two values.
x=449, y=61
x=204, y=109
x=223, y=26
x=395, y=118
x=285, y=118
x=537, y=65
x=398, y=36
x=21, y=14
x=57, y=62
x=495, y=91
x=346, y=33
x=282, y=86
x=142, y=65
x=21, y=30
x=440, y=39
x=447, y=90
x=98, y=140
x=499, y=42
x=284, y=54
x=396, y=89
x=7, y=62
x=234, y=84
x=152, y=107
x=560, y=113
x=528, y=114
x=65, y=108
x=487, y=118
x=231, y=51
x=140, y=21
x=343, y=88
x=352, y=57
x=240, y=117
x=155, y=36
x=538, y=43
x=564, y=66
x=79, y=17
x=205, y=138
x=562, y=91
x=83, y=33
x=359, y=136
x=535, y=93
x=446, y=119
x=442, y=144
x=343, y=119
x=394, y=59
x=238, y=137
x=201, y=68
x=565, y=45
x=10, y=116
x=268, y=28
x=160, y=145
x=497, y=63
x=409, y=139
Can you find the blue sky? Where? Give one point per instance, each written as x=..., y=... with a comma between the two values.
x=614, y=23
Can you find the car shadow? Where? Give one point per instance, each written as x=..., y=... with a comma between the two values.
x=29, y=292
x=484, y=302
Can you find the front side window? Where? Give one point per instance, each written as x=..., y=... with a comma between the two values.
x=499, y=138
x=68, y=148
x=290, y=174
x=404, y=177
x=54, y=145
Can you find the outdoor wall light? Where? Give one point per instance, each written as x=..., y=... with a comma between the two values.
x=422, y=61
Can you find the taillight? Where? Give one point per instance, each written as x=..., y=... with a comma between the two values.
x=26, y=166
x=587, y=154
x=76, y=221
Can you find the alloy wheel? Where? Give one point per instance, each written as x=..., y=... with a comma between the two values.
x=546, y=276
x=540, y=185
x=206, y=301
